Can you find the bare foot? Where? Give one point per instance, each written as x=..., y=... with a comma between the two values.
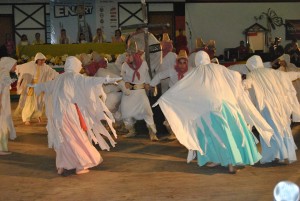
x=231, y=169
x=27, y=123
x=211, y=164
x=82, y=171
x=3, y=153
x=60, y=171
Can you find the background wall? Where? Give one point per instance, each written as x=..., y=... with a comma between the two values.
x=27, y=19
x=225, y=22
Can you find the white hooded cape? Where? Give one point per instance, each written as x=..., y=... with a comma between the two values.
x=26, y=74
x=6, y=123
x=202, y=91
x=273, y=89
x=73, y=88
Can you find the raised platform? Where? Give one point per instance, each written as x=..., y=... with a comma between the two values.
x=71, y=49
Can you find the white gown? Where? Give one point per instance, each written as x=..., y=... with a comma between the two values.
x=31, y=106
x=7, y=129
x=136, y=105
x=198, y=99
x=71, y=129
x=275, y=98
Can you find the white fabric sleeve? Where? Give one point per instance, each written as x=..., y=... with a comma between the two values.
x=94, y=81
x=293, y=75
x=147, y=78
x=268, y=64
x=247, y=83
x=123, y=70
x=158, y=77
x=39, y=88
x=53, y=73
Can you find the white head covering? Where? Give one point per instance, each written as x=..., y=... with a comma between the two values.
x=39, y=55
x=254, y=62
x=286, y=58
x=202, y=58
x=6, y=63
x=73, y=65
x=286, y=190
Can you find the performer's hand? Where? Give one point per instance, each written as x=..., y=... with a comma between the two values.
x=147, y=87
x=112, y=80
x=128, y=85
x=126, y=92
x=153, y=91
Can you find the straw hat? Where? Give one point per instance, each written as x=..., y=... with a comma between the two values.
x=199, y=43
x=132, y=47
x=211, y=43
x=165, y=38
x=182, y=55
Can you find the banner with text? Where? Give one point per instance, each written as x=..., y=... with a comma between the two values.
x=75, y=17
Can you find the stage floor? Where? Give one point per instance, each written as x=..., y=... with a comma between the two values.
x=136, y=169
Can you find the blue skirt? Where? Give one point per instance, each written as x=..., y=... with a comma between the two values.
x=282, y=145
x=227, y=140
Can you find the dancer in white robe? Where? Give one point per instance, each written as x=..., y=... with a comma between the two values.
x=168, y=61
x=7, y=129
x=120, y=60
x=30, y=105
x=155, y=52
x=136, y=105
x=98, y=67
x=287, y=66
x=174, y=73
x=205, y=111
x=275, y=98
x=74, y=113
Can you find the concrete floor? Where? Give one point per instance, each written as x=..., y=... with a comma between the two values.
x=136, y=169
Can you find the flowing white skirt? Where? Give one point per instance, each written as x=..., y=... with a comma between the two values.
x=76, y=151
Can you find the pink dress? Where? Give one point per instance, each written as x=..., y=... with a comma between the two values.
x=75, y=111
x=75, y=151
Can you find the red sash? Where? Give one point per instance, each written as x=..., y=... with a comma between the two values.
x=81, y=120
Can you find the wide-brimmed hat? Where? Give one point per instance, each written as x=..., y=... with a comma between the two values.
x=182, y=55
x=132, y=47
x=166, y=38
x=199, y=43
x=211, y=43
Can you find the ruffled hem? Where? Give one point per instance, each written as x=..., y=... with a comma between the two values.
x=225, y=139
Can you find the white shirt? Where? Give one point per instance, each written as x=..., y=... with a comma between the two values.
x=169, y=73
x=127, y=74
x=168, y=61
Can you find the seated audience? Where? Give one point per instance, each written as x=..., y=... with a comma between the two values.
x=99, y=37
x=64, y=39
x=37, y=40
x=24, y=40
